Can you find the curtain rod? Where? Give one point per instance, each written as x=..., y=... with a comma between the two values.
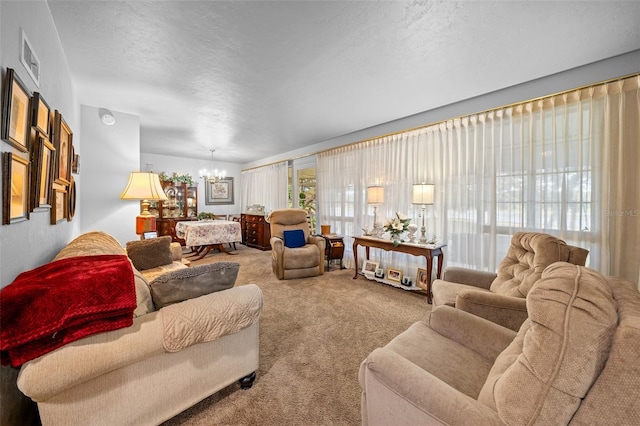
x=435, y=123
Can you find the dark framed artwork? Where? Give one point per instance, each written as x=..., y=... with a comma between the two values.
x=15, y=112
x=71, y=200
x=62, y=141
x=41, y=171
x=219, y=192
x=41, y=115
x=59, y=204
x=15, y=188
x=75, y=163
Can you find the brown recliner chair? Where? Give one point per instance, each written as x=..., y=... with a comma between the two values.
x=296, y=254
x=574, y=361
x=500, y=297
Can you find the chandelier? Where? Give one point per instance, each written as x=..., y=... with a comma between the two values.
x=214, y=175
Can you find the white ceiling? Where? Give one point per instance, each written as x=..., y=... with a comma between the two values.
x=257, y=78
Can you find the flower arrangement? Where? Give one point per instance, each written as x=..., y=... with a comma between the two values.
x=176, y=178
x=396, y=226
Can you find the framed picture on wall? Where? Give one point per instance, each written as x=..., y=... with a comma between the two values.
x=15, y=112
x=59, y=204
x=15, y=188
x=219, y=192
x=41, y=173
x=62, y=141
x=41, y=115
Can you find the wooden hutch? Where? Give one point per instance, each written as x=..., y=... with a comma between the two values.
x=182, y=204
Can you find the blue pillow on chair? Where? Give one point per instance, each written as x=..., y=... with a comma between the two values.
x=294, y=238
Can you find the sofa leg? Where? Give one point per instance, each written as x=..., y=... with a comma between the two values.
x=247, y=381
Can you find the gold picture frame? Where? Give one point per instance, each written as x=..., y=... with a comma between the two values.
x=15, y=188
x=41, y=114
x=422, y=278
x=15, y=112
x=43, y=156
x=59, y=204
x=63, y=142
x=394, y=275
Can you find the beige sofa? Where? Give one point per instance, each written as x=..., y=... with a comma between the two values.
x=575, y=360
x=167, y=361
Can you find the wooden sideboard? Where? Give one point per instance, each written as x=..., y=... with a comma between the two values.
x=256, y=231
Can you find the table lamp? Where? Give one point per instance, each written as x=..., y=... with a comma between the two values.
x=375, y=196
x=144, y=186
x=423, y=196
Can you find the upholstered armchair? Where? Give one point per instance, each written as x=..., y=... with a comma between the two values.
x=295, y=252
x=574, y=361
x=500, y=297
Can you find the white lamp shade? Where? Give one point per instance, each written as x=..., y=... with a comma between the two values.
x=375, y=195
x=143, y=186
x=423, y=193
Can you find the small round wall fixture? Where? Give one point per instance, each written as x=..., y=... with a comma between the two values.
x=106, y=117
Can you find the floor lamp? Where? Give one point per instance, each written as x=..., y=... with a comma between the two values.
x=375, y=196
x=423, y=196
x=144, y=186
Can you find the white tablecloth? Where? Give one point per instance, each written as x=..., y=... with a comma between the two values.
x=208, y=232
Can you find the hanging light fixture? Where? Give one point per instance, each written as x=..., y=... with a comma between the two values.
x=213, y=175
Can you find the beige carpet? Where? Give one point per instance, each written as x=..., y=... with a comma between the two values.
x=314, y=333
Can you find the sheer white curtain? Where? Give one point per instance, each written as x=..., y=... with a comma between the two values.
x=565, y=165
x=267, y=186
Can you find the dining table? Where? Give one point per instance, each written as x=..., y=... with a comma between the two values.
x=204, y=235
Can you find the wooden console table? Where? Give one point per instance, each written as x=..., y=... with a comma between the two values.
x=429, y=251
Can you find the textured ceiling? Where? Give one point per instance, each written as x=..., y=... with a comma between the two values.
x=255, y=79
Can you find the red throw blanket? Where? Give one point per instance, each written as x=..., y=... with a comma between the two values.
x=63, y=301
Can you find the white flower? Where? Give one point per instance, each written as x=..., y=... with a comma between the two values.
x=402, y=217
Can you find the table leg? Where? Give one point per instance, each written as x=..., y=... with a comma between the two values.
x=355, y=258
x=429, y=272
x=440, y=260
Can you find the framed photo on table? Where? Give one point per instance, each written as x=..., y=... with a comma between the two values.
x=15, y=112
x=394, y=275
x=15, y=188
x=370, y=267
x=219, y=192
x=422, y=278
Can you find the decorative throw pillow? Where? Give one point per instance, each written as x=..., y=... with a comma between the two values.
x=147, y=254
x=189, y=283
x=294, y=238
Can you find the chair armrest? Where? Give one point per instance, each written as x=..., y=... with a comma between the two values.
x=88, y=358
x=277, y=243
x=397, y=391
x=93, y=356
x=481, y=279
x=482, y=336
x=508, y=311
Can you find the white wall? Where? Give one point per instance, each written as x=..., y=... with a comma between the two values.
x=170, y=164
x=28, y=244
x=108, y=156
x=598, y=71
